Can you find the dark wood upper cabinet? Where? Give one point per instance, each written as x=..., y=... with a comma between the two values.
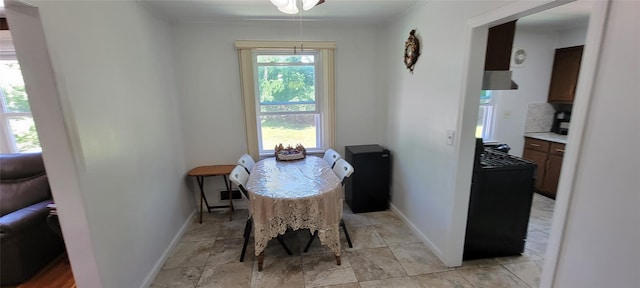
x=3, y=24
x=564, y=76
x=499, y=43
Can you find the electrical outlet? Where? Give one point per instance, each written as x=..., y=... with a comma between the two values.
x=451, y=135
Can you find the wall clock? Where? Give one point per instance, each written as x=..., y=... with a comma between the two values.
x=411, y=50
x=518, y=57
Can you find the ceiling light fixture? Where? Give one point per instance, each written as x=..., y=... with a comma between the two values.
x=291, y=6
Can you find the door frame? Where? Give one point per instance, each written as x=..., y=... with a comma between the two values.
x=477, y=30
x=61, y=149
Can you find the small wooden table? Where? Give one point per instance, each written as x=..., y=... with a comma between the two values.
x=213, y=170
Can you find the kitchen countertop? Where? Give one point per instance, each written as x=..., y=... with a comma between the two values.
x=548, y=136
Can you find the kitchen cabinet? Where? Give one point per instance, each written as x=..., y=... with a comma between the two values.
x=548, y=156
x=564, y=76
x=499, y=43
x=552, y=171
x=540, y=158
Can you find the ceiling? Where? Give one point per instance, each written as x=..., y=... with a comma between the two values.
x=352, y=11
x=570, y=15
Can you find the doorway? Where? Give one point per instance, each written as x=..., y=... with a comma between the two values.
x=524, y=118
x=468, y=112
x=62, y=152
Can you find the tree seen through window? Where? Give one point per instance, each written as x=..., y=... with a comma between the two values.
x=288, y=111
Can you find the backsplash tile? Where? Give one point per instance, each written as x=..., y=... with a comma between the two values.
x=539, y=117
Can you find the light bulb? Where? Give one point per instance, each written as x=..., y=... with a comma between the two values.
x=308, y=4
x=290, y=8
x=280, y=3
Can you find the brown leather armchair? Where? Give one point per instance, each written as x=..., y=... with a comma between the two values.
x=27, y=244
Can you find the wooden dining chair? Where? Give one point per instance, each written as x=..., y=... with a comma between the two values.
x=240, y=177
x=331, y=156
x=343, y=170
x=247, y=162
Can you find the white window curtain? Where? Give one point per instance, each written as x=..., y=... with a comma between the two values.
x=245, y=57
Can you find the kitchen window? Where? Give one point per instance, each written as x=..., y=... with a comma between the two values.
x=288, y=95
x=484, y=126
x=17, y=128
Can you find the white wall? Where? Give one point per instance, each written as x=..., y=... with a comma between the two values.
x=572, y=36
x=603, y=213
x=533, y=87
x=211, y=101
x=114, y=73
x=422, y=107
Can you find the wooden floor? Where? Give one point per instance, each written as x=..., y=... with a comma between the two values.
x=57, y=275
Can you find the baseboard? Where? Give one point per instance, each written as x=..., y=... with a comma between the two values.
x=417, y=232
x=174, y=242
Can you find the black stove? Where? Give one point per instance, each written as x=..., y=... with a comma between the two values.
x=499, y=205
x=490, y=158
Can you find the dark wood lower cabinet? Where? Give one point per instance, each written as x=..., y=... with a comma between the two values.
x=540, y=158
x=552, y=175
x=548, y=156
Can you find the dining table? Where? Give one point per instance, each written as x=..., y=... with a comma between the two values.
x=296, y=194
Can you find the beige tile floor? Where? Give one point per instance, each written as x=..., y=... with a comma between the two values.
x=385, y=253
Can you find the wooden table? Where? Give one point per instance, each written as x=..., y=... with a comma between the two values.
x=208, y=171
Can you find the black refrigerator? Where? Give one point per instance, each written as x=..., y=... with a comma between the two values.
x=367, y=189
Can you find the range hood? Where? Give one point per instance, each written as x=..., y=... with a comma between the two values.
x=498, y=80
x=498, y=58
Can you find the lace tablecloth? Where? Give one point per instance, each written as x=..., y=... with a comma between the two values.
x=300, y=194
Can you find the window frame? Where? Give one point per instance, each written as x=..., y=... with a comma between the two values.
x=8, y=136
x=9, y=143
x=326, y=87
x=318, y=94
x=488, y=117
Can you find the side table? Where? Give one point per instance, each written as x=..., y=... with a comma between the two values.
x=208, y=171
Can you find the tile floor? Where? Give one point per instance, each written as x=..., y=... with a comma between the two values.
x=385, y=254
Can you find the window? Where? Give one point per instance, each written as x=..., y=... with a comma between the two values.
x=288, y=109
x=288, y=94
x=16, y=123
x=484, y=127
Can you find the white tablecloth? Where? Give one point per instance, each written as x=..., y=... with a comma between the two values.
x=300, y=194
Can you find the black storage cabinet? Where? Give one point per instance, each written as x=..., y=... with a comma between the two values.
x=367, y=189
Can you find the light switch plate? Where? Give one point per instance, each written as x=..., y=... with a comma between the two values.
x=451, y=135
x=507, y=114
